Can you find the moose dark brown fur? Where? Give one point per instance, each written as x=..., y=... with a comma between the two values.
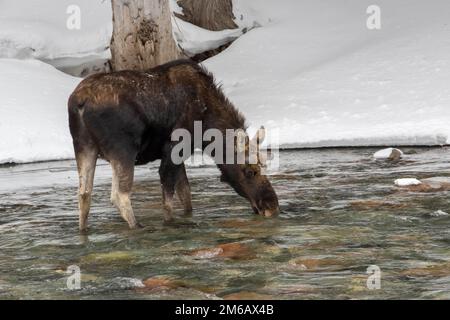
x=128, y=117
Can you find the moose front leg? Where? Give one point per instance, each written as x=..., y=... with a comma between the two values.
x=184, y=190
x=168, y=176
x=173, y=178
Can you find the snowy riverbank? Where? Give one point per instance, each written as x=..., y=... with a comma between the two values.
x=311, y=69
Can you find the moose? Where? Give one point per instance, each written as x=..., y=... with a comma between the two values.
x=127, y=117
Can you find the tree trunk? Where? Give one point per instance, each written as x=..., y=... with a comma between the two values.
x=142, y=34
x=213, y=15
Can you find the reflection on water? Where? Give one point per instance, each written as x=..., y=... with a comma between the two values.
x=340, y=214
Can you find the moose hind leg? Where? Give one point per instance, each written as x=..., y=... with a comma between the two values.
x=86, y=162
x=122, y=183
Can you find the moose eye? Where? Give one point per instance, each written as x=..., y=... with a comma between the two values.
x=249, y=173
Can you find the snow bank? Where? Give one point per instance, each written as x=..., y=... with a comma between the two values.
x=33, y=112
x=196, y=40
x=316, y=72
x=310, y=69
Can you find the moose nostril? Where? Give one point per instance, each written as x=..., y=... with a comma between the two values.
x=271, y=213
x=255, y=210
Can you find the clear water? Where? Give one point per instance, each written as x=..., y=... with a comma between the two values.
x=340, y=213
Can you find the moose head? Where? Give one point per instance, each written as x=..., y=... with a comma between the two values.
x=248, y=178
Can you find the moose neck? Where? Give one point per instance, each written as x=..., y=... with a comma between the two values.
x=223, y=116
x=220, y=121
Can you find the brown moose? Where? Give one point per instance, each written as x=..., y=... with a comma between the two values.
x=127, y=118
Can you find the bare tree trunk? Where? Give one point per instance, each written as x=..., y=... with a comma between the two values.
x=213, y=15
x=142, y=34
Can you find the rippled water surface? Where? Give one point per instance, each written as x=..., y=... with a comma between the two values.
x=341, y=213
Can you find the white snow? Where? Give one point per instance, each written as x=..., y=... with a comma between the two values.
x=174, y=7
x=316, y=72
x=196, y=40
x=38, y=29
x=407, y=182
x=385, y=153
x=33, y=111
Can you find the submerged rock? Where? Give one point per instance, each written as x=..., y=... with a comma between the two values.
x=181, y=293
x=425, y=185
x=247, y=295
x=162, y=282
x=234, y=250
x=108, y=257
x=236, y=273
x=237, y=250
x=296, y=289
x=312, y=264
x=208, y=253
x=439, y=213
x=435, y=270
x=391, y=154
x=239, y=223
x=358, y=283
x=126, y=283
x=442, y=183
x=376, y=204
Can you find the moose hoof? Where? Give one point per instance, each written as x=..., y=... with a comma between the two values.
x=136, y=226
x=169, y=222
x=84, y=230
x=271, y=214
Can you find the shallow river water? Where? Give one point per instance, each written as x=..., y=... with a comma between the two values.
x=341, y=213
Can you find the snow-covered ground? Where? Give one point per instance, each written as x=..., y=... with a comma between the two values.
x=311, y=69
x=33, y=111
x=38, y=28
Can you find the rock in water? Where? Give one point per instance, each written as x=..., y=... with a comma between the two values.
x=312, y=264
x=434, y=184
x=247, y=295
x=439, y=213
x=435, y=270
x=407, y=182
x=392, y=154
x=107, y=257
x=162, y=282
x=235, y=250
x=126, y=283
x=376, y=204
x=438, y=182
x=207, y=253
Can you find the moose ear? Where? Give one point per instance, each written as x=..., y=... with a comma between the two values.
x=241, y=143
x=260, y=135
x=262, y=159
x=264, y=156
x=269, y=154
